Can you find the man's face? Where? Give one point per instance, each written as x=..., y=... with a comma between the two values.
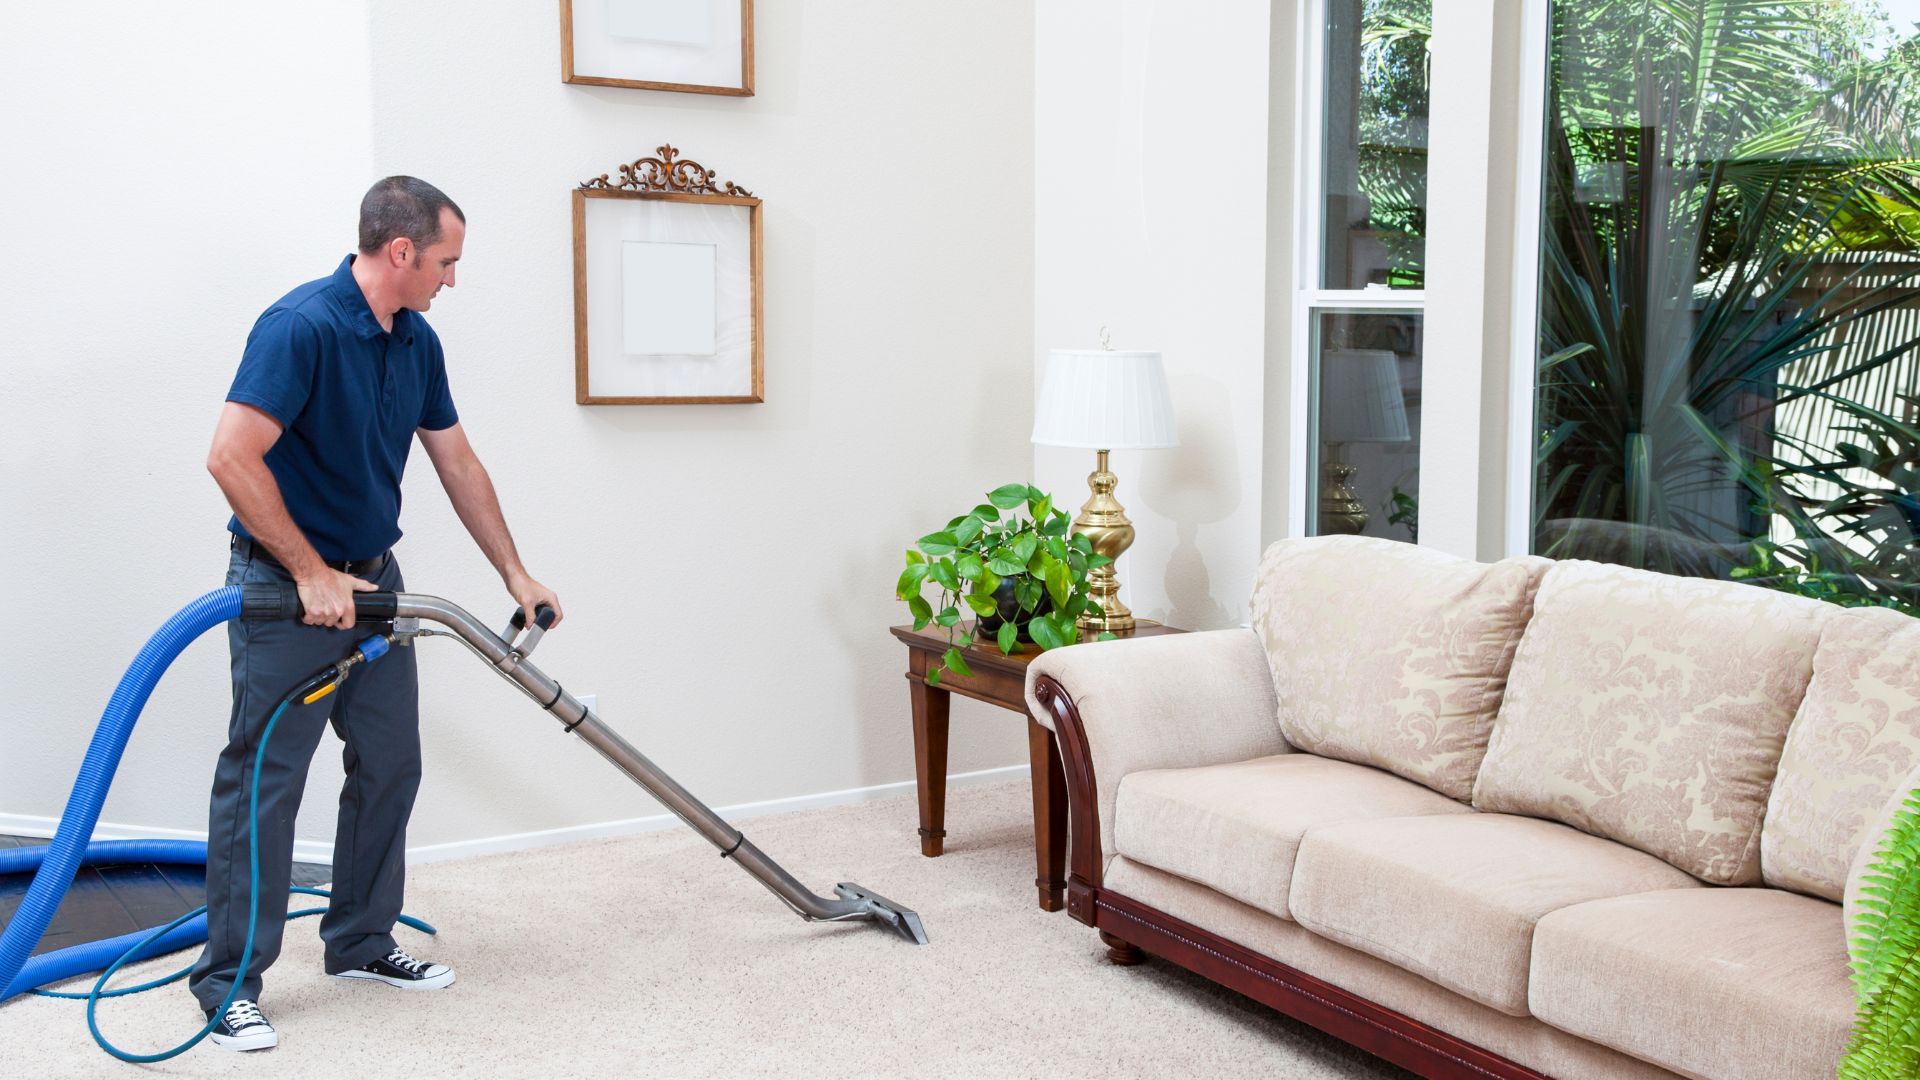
x=430, y=269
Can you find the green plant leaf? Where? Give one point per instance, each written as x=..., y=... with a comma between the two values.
x=1024, y=546
x=982, y=605
x=1059, y=583
x=1008, y=496
x=956, y=662
x=1107, y=635
x=933, y=676
x=1005, y=567
x=1056, y=547
x=948, y=617
x=1057, y=525
x=968, y=528
x=1095, y=562
x=970, y=566
x=1077, y=605
x=910, y=579
x=1008, y=637
x=1081, y=544
x=914, y=558
x=986, y=584
x=1027, y=593
x=940, y=543
x=1043, y=633
x=922, y=612
x=1033, y=493
x=944, y=572
x=986, y=512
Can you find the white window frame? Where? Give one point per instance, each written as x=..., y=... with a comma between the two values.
x=1529, y=182
x=1309, y=298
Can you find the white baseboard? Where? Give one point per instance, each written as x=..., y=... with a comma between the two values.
x=314, y=851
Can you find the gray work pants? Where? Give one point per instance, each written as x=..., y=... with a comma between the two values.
x=376, y=713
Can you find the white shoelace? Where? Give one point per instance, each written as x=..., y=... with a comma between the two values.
x=244, y=1014
x=399, y=958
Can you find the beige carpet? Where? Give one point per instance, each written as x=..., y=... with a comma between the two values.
x=651, y=956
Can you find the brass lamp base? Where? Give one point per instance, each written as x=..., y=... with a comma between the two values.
x=1103, y=521
x=1341, y=511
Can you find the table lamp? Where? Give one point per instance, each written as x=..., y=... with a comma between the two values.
x=1104, y=400
x=1360, y=401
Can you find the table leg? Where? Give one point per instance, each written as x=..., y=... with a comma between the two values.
x=1049, y=816
x=930, y=711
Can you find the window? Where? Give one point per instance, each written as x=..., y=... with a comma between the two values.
x=1358, y=319
x=1728, y=334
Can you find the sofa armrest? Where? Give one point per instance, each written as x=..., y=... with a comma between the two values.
x=1172, y=702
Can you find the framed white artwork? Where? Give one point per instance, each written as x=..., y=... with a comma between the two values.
x=666, y=287
x=690, y=46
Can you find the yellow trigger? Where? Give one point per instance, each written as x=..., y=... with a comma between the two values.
x=320, y=693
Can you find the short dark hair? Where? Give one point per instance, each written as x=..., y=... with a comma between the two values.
x=403, y=206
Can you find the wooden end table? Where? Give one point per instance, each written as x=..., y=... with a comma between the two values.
x=997, y=679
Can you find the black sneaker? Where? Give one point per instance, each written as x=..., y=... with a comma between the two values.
x=242, y=1027
x=399, y=969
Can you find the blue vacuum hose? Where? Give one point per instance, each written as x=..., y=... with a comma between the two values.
x=69, y=848
x=69, y=845
x=52, y=967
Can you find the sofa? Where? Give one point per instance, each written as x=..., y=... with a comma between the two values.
x=1515, y=819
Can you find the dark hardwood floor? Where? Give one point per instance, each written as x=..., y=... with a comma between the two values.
x=108, y=901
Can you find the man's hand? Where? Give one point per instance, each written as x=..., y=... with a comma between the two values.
x=327, y=600
x=530, y=594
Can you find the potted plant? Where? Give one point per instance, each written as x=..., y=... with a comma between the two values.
x=1023, y=577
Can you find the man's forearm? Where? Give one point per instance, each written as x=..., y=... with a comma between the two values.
x=470, y=490
x=255, y=497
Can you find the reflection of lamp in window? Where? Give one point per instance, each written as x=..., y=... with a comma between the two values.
x=1360, y=401
x=1102, y=400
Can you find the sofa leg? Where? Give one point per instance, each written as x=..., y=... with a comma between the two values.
x=1120, y=952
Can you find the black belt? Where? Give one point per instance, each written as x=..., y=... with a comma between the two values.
x=357, y=567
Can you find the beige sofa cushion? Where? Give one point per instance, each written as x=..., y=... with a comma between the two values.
x=1520, y=1039
x=1455, y=898
x=1857, y=735
x=1391, y=655
x=1235, y=828
x=1650, y=709
x=1741, y=984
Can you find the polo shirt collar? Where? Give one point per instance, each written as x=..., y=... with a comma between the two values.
x=353, y=303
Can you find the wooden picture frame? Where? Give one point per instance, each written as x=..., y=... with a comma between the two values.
x=689, y=50
x=667, y=297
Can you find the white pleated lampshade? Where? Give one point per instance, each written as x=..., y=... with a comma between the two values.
x=1360, y=397
x=1103, y=399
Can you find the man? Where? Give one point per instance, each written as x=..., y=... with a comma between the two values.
x=337, y=379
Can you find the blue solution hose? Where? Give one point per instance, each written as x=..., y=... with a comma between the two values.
x=82, y=813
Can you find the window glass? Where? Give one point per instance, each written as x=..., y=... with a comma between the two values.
x=1729, y=327
x=1374, y=180
x=1366, y=389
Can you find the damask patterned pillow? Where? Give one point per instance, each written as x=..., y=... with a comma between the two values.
x=1389, y=654
x=1650, y=709
x=1856, y=737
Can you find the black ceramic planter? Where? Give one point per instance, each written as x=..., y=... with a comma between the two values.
x=988, y=626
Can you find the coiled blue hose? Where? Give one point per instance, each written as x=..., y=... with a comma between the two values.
x=69, y=843
x=69, y=848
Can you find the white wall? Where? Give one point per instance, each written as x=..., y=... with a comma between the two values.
x=1151, y=166
x=727, y=570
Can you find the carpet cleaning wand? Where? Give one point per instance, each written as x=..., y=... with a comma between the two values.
x=507, y=654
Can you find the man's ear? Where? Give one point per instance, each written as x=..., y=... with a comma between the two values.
x=398, y=250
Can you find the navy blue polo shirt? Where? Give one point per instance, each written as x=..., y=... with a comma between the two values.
x=348, y=396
